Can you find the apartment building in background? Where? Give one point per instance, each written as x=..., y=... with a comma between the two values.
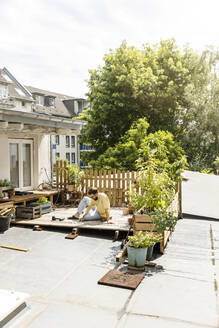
x=32, y=121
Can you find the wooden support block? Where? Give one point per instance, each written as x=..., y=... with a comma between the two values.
x=75, y=231
x=15, y=248
x=37, y=228
x=71, y=236
x=121, y=254
x=116, y=235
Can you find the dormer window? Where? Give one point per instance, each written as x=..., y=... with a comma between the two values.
x=3, y=91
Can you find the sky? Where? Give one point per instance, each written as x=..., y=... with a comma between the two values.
x=52, y=44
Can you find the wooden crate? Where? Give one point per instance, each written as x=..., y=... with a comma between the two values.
x=144, y=223
x=28, y=212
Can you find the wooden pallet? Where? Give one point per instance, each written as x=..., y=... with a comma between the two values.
x=144, y=223
x=28, y=212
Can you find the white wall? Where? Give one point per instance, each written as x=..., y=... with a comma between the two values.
x=4, y=162
x=26, y=108
x=44, y=163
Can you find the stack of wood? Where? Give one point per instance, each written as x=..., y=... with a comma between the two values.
x=7, y=211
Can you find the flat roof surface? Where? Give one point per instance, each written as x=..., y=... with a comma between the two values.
x=61, y=276
x=200, y=194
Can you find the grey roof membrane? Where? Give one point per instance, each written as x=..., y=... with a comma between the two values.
x=200, y=194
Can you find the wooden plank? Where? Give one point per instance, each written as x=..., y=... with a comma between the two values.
x=91, y=178
x=119, y=194
x=104, y=181
x=95, y=179
x=144, y=227
x=100, y=181
x=6, y=205
x=15, y=248
x=142, y=218
x=128, y=184
x=114, y=188
x=109, y=186
x=85, y=182
x=164, y=240
x=123, y=186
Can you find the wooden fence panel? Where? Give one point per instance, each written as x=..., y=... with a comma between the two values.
x=115, y=184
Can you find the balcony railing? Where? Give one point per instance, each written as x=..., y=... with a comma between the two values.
x=7, y=102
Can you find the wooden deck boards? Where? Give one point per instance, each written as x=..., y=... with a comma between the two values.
x=120, y=222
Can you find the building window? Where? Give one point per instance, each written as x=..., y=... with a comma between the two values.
x=50, y=101
x=39, y=100
x=85, y=147
x=67, y=141
x=3, y=91
x=57, y=140
x=57, y=155
x=23, y=103
x=67, y=156
x=73, y=141
x=73, y=158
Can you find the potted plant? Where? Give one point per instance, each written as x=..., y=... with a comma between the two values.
x=157, y=190
x=75, y=175
x=152, y=195
x=5, y=184
x=138, y=246
x=44, y=204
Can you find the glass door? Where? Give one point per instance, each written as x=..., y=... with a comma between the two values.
x=21, y=163
x=14, y=164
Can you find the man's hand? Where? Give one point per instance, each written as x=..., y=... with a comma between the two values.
x=80, y=219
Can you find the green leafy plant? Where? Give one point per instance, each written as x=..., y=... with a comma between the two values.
x=157, y=190
x=75, y=175
x=143, y=240
x=42, y=200
x=5, y=183
x=163, y=220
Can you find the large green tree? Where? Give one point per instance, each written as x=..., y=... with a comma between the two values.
x=200, y=136
x=150, y=82
x=138, y=146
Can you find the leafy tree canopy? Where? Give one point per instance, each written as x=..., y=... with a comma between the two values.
x=175, y=89
x=150, y=82
x=136, y=147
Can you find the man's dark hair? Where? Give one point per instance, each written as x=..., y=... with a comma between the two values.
x=92, y=191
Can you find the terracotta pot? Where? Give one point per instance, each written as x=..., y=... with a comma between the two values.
x=131, y=209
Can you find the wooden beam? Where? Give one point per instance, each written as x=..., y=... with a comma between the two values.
x=15, y=248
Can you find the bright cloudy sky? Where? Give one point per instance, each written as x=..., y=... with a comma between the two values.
x=51, y=44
